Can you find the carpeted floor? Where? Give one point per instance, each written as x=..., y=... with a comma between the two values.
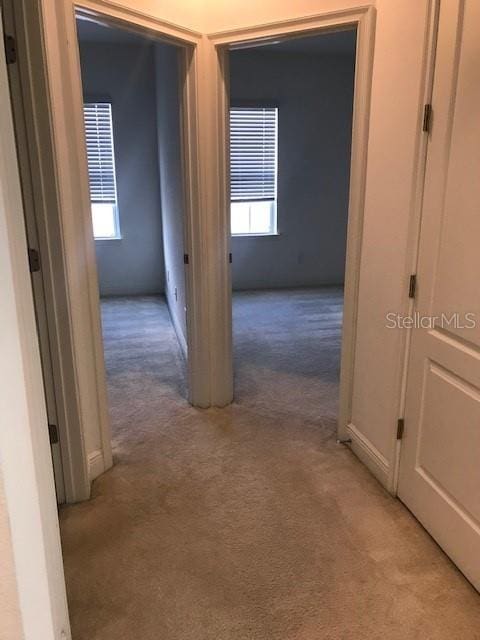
x=287, y=353
x=250, y=522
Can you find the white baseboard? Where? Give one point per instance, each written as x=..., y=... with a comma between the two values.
x=178, y=329
x=369, y=455
x=96, y=464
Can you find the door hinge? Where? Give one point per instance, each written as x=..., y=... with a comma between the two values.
x=427, y=118
x=186, y=259
x=33, y=260
x=230, y=258
x=412, y=285
x=53, y=433
x=400, y=428
x=10, y=49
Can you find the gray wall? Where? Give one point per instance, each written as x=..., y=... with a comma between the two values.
x=314, y=95
x=124, y=73
x=170, y=165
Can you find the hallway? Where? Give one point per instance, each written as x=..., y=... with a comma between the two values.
x=249, y=522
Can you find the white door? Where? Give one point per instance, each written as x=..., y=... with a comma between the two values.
x=440, y=459
x=41, y=317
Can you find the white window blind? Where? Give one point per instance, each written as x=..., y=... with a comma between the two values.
x=253, y=153
x=101, y=169
x=100, y=152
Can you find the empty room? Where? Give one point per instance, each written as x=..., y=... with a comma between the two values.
x=291, y=109
x=132, y=128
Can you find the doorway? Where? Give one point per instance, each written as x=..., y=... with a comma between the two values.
x=226, y=45
x=291, y=105
x=131, y=106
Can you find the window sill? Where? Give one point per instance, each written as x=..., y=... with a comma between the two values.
x=256, y=235
x=108, y=239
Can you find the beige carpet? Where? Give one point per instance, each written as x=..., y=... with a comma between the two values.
x=247, y=523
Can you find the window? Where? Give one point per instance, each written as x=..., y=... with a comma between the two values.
x=253, y=170
x=101, y=169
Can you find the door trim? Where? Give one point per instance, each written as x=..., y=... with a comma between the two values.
x=413, y=242
x=363, y=18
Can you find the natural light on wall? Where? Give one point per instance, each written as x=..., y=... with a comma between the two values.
x=253, y=170
x=101, y=170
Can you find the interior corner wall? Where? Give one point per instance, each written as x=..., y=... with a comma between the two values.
x=314, y=96
x=124, y=73
x=171, y=187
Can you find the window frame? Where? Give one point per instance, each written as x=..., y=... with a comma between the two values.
x=258, y=104
x=116, y=217
x=253, y=234
x=116, y=221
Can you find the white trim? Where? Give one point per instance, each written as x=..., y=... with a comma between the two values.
x=369, y=455
x=177, y=328
x=363, y=18
x=78, y=246
x=214, y=205
x=96, y=464
x=292, y=27
x=358, y=172
x=195, y=231
x=415, y=221
x=139, y=21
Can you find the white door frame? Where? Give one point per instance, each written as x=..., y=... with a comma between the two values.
x=363, y=18
x=411, y=263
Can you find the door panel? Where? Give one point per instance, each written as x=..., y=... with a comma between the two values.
x=450, y=400
x=439, y=476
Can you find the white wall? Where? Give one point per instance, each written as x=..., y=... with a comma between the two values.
x=124, y=73
x=314, y=95
x=10, y=621
x=171, y=188
x=393, y=157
